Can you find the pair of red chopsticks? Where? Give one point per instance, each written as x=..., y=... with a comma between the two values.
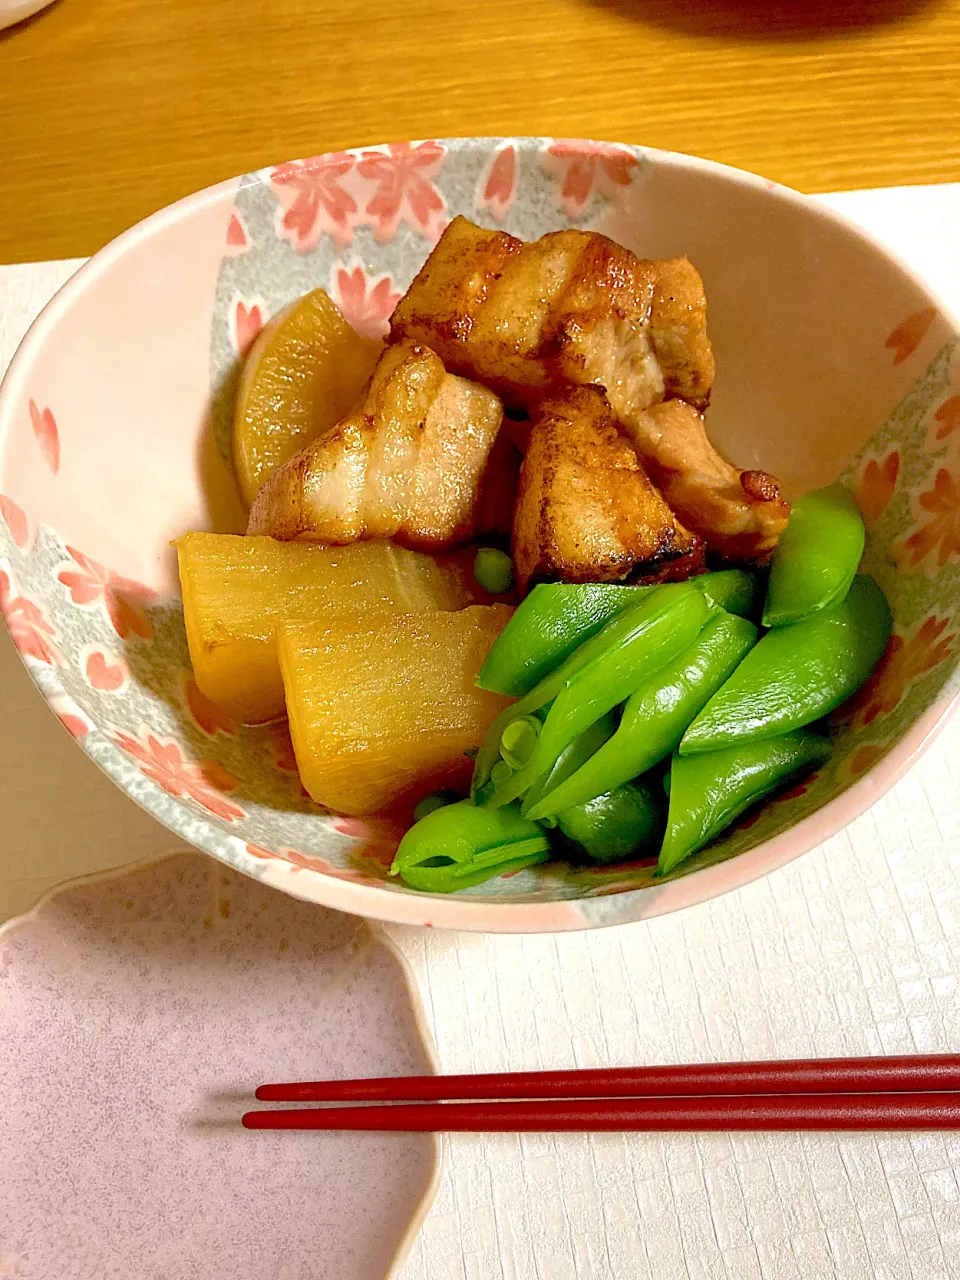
x=817, y=1094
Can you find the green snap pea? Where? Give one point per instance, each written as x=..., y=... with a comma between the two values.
x=797, y=674
x=657, y=715
x=460, y=845
x=817, y=556
x=493, y=570
x=557, y=617
x=570, y=760
x=545, y=629
x=733, y=590
x=610, y=828
x=659, y=629
x=435, y=800
x=617, y=632
x=666, y=624
x=709, y=792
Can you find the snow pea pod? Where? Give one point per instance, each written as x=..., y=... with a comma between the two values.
x=797, y=674
x=816, y=558
x=570, y=760
x=708, y=792
x=622, y=630
x=460, y=845
x=610, y=828
x=435, y=800
x=663, y=625
x=657, y=715
x=557, y=617
x=734, y=590
x=545, y=629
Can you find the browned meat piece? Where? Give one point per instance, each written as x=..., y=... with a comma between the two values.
x=678, y=325
x=498, y=488
x=572, y=308
x=575, y=309
x=406, y=464
x=739, y=514
x=586, y=511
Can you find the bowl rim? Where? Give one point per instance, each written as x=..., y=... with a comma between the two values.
x=478, y=913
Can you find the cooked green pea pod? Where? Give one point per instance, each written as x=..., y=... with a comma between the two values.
x=709, y=792
x=435, y=800
x=816, y=558
x=657, y=715
x=615, y=633
x=797, y=674
x=734, y=590
x=460, y=845
x=557, y=617
x=625, y=822
x=547, y=626
x=570, y=760
x=663, y=626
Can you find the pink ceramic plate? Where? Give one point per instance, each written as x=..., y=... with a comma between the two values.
x=833, y=360
x=137, y=1014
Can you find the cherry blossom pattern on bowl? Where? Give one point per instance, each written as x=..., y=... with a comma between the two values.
x=141, y=1009
x=114, y=438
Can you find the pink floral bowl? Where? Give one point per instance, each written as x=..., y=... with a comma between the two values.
x=114, y=424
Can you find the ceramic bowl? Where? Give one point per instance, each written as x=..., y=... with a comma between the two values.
x=114, y=422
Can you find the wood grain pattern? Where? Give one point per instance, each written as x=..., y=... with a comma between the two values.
x=110, y=109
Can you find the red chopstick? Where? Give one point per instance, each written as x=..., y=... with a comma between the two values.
x=917, y=1074
x=851, y=1111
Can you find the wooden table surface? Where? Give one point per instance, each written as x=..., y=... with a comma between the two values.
x=110, y=109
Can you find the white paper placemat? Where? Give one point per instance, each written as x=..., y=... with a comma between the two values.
x=853, y=949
